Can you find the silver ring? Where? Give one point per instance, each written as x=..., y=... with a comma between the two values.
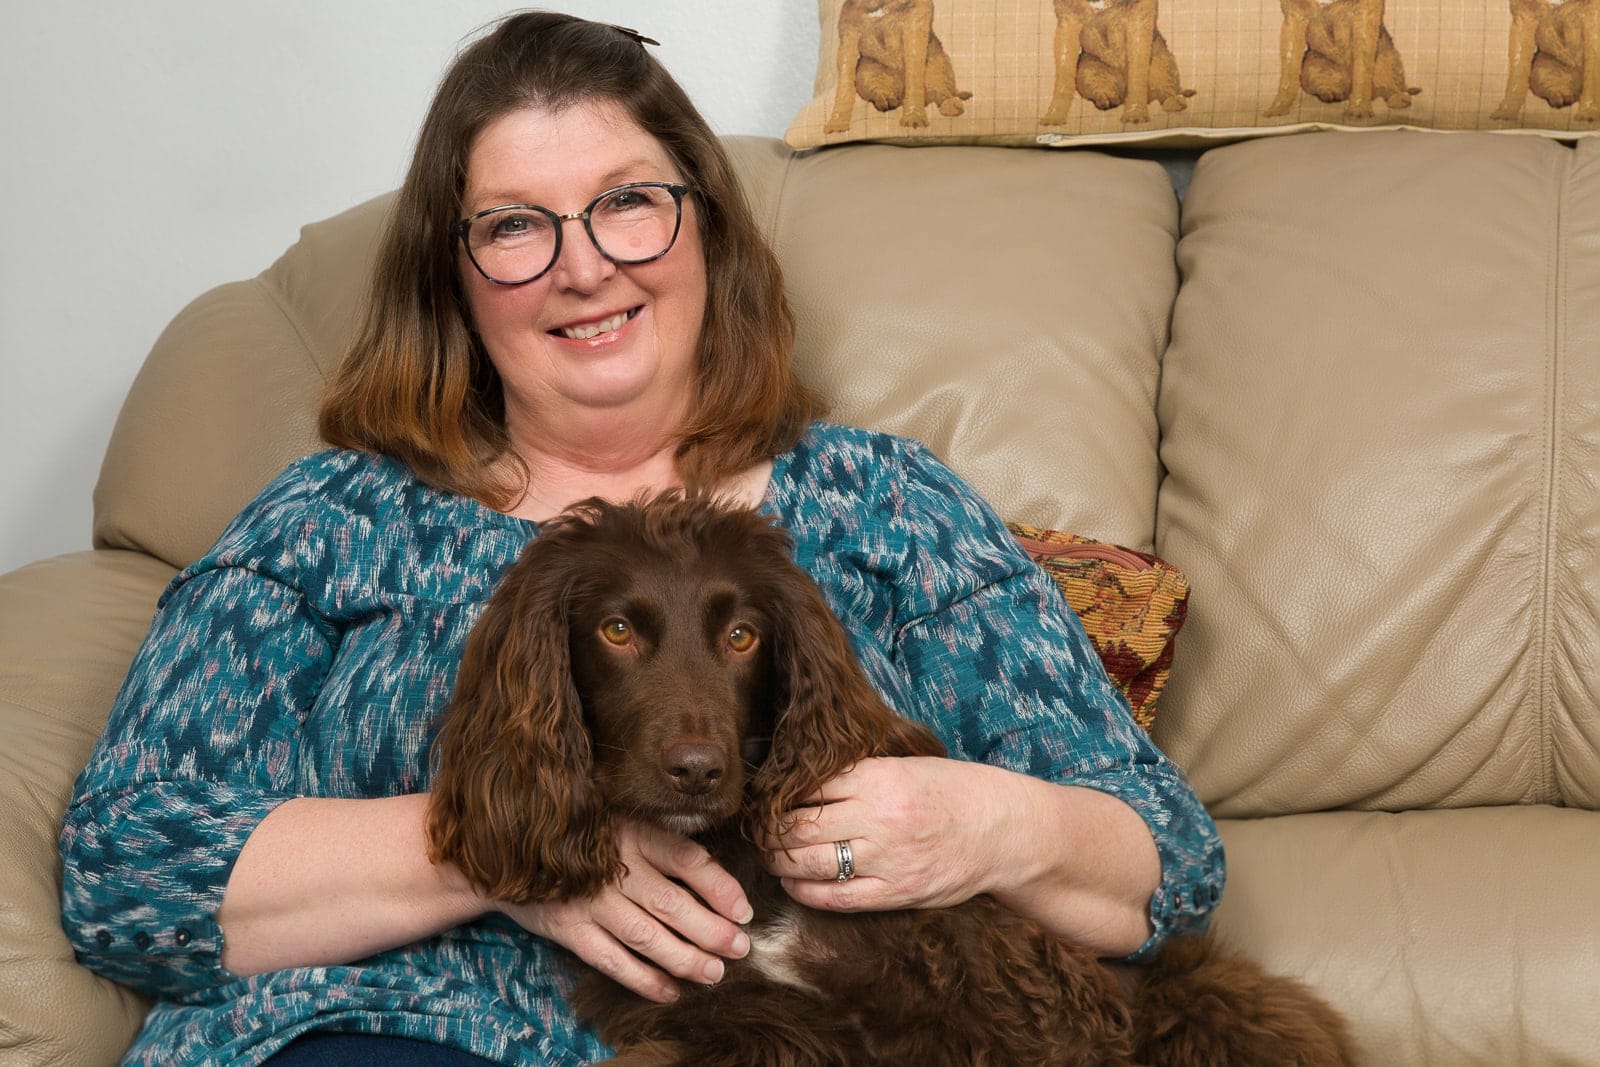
x=847, y=863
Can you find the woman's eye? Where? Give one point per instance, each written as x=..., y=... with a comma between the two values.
x=741, y=638
x=635, y=199
x=617, y=631
x=518, y=226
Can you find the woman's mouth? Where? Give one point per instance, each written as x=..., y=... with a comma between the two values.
x=594, y=329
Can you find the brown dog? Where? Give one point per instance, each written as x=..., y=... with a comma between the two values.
x=669, y=663
x=1554, y=46
x=1112, y=53
x=889, y=54
x=1339, y=51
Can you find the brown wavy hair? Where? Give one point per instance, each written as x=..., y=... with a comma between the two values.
x=417, y=384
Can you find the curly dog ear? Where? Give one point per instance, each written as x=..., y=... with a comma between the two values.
x=514, y=802
x=829, y=716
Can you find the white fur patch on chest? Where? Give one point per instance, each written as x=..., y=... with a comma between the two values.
x=775, y=951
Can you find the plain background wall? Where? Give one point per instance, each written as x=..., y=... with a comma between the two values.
x=151, y=150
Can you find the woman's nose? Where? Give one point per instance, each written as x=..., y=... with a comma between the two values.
x=579, y=265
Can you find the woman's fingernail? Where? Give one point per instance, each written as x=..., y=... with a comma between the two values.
x=741, y=946
x=713, y=972
x=744, y=915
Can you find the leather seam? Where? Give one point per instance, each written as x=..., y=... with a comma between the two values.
x=1554, y=369
x=283, y=308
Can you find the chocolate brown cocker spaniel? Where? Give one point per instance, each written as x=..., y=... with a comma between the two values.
x=667, y=661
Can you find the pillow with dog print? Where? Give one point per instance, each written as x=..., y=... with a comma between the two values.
x=1055, y=72
x=1131, y=605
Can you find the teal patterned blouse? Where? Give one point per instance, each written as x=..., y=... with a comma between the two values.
x=311, y=651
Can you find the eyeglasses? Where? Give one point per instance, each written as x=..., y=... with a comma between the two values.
x=518, y=243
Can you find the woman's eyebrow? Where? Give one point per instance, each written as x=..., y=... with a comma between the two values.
x=621, y=174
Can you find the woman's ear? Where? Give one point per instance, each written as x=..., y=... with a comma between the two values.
x=514, y=803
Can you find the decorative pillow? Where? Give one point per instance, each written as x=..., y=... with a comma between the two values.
x=1027, y=72
x=1131, y=604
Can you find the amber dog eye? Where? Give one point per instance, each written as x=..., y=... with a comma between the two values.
x=617, y=631
x=741, y=639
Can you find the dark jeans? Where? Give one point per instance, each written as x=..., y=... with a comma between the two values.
x=326, y=1049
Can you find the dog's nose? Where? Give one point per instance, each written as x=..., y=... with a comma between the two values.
x=694, y=767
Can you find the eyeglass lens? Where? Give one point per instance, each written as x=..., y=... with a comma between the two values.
x=631, y=224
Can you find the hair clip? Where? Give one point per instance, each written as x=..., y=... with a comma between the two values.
x=635, y=35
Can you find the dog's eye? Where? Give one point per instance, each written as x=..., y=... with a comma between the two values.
x=617, y=631
x=741, y=639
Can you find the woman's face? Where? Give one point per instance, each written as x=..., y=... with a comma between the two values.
x=639, y=363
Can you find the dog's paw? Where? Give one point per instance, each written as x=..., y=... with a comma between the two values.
x=1588, y=111
x=1135, y=113
x=951, y=108
x=835, y=124
x=1398, y=100
x=1174, y=103
x=1358, y=109
x=914, y=116
x=1280, y=106
x=1056, y=116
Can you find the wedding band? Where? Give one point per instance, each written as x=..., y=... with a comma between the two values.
x=847, y=863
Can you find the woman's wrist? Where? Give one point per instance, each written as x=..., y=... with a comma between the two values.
x=1077, y=860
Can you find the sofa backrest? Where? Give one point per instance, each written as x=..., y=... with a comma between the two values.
x=1380, y=417
x=1372, y=445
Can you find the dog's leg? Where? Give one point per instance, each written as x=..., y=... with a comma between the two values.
x=1141, y=34
x=1291, y=54
x=1589, y=95
x=844, y=95
x=1070, y=15
x=1519, y=57
x=916, y=28
x=1367, y=22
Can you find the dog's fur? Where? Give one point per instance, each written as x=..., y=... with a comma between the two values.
x=1554, y=50
x=890, y=56
x=669, y=662
x=1111, y=53
x=1339, y=51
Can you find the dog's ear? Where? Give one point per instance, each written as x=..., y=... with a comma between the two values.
x=514, y=804
x=829, y=716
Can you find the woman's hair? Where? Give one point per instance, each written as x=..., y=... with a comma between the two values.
x=417, y=384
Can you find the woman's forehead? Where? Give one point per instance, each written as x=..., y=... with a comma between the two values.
x=538, y=155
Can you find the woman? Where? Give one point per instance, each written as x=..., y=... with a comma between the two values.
x=571, y=300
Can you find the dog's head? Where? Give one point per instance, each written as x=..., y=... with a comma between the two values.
x=664, y=661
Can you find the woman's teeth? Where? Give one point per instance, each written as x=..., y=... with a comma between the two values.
x=581, y=333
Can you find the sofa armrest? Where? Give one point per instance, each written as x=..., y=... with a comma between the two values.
x=68, y=628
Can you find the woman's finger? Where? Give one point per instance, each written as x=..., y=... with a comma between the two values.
x=821, y=863
x=688, y=862
x=573, y=926
x=645, y=934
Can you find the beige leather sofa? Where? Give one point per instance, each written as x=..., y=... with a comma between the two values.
x=1353, y=389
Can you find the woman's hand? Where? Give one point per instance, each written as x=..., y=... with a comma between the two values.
x=923, y=832
x=653, y=911
x=927, y=833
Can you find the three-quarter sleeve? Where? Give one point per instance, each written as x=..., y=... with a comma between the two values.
x=199, y=746
x=1000, y=663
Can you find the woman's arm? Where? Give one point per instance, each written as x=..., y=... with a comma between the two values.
x=323, y=882
x=1054, y=800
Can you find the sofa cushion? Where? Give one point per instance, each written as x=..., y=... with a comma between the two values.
x=1008, y=309
x=1447, y=937
x=68, y=629
x=1379, y=420
x=1131, y=604
x=1218, y=70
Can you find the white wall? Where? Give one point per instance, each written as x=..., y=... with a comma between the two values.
x=151, y=150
